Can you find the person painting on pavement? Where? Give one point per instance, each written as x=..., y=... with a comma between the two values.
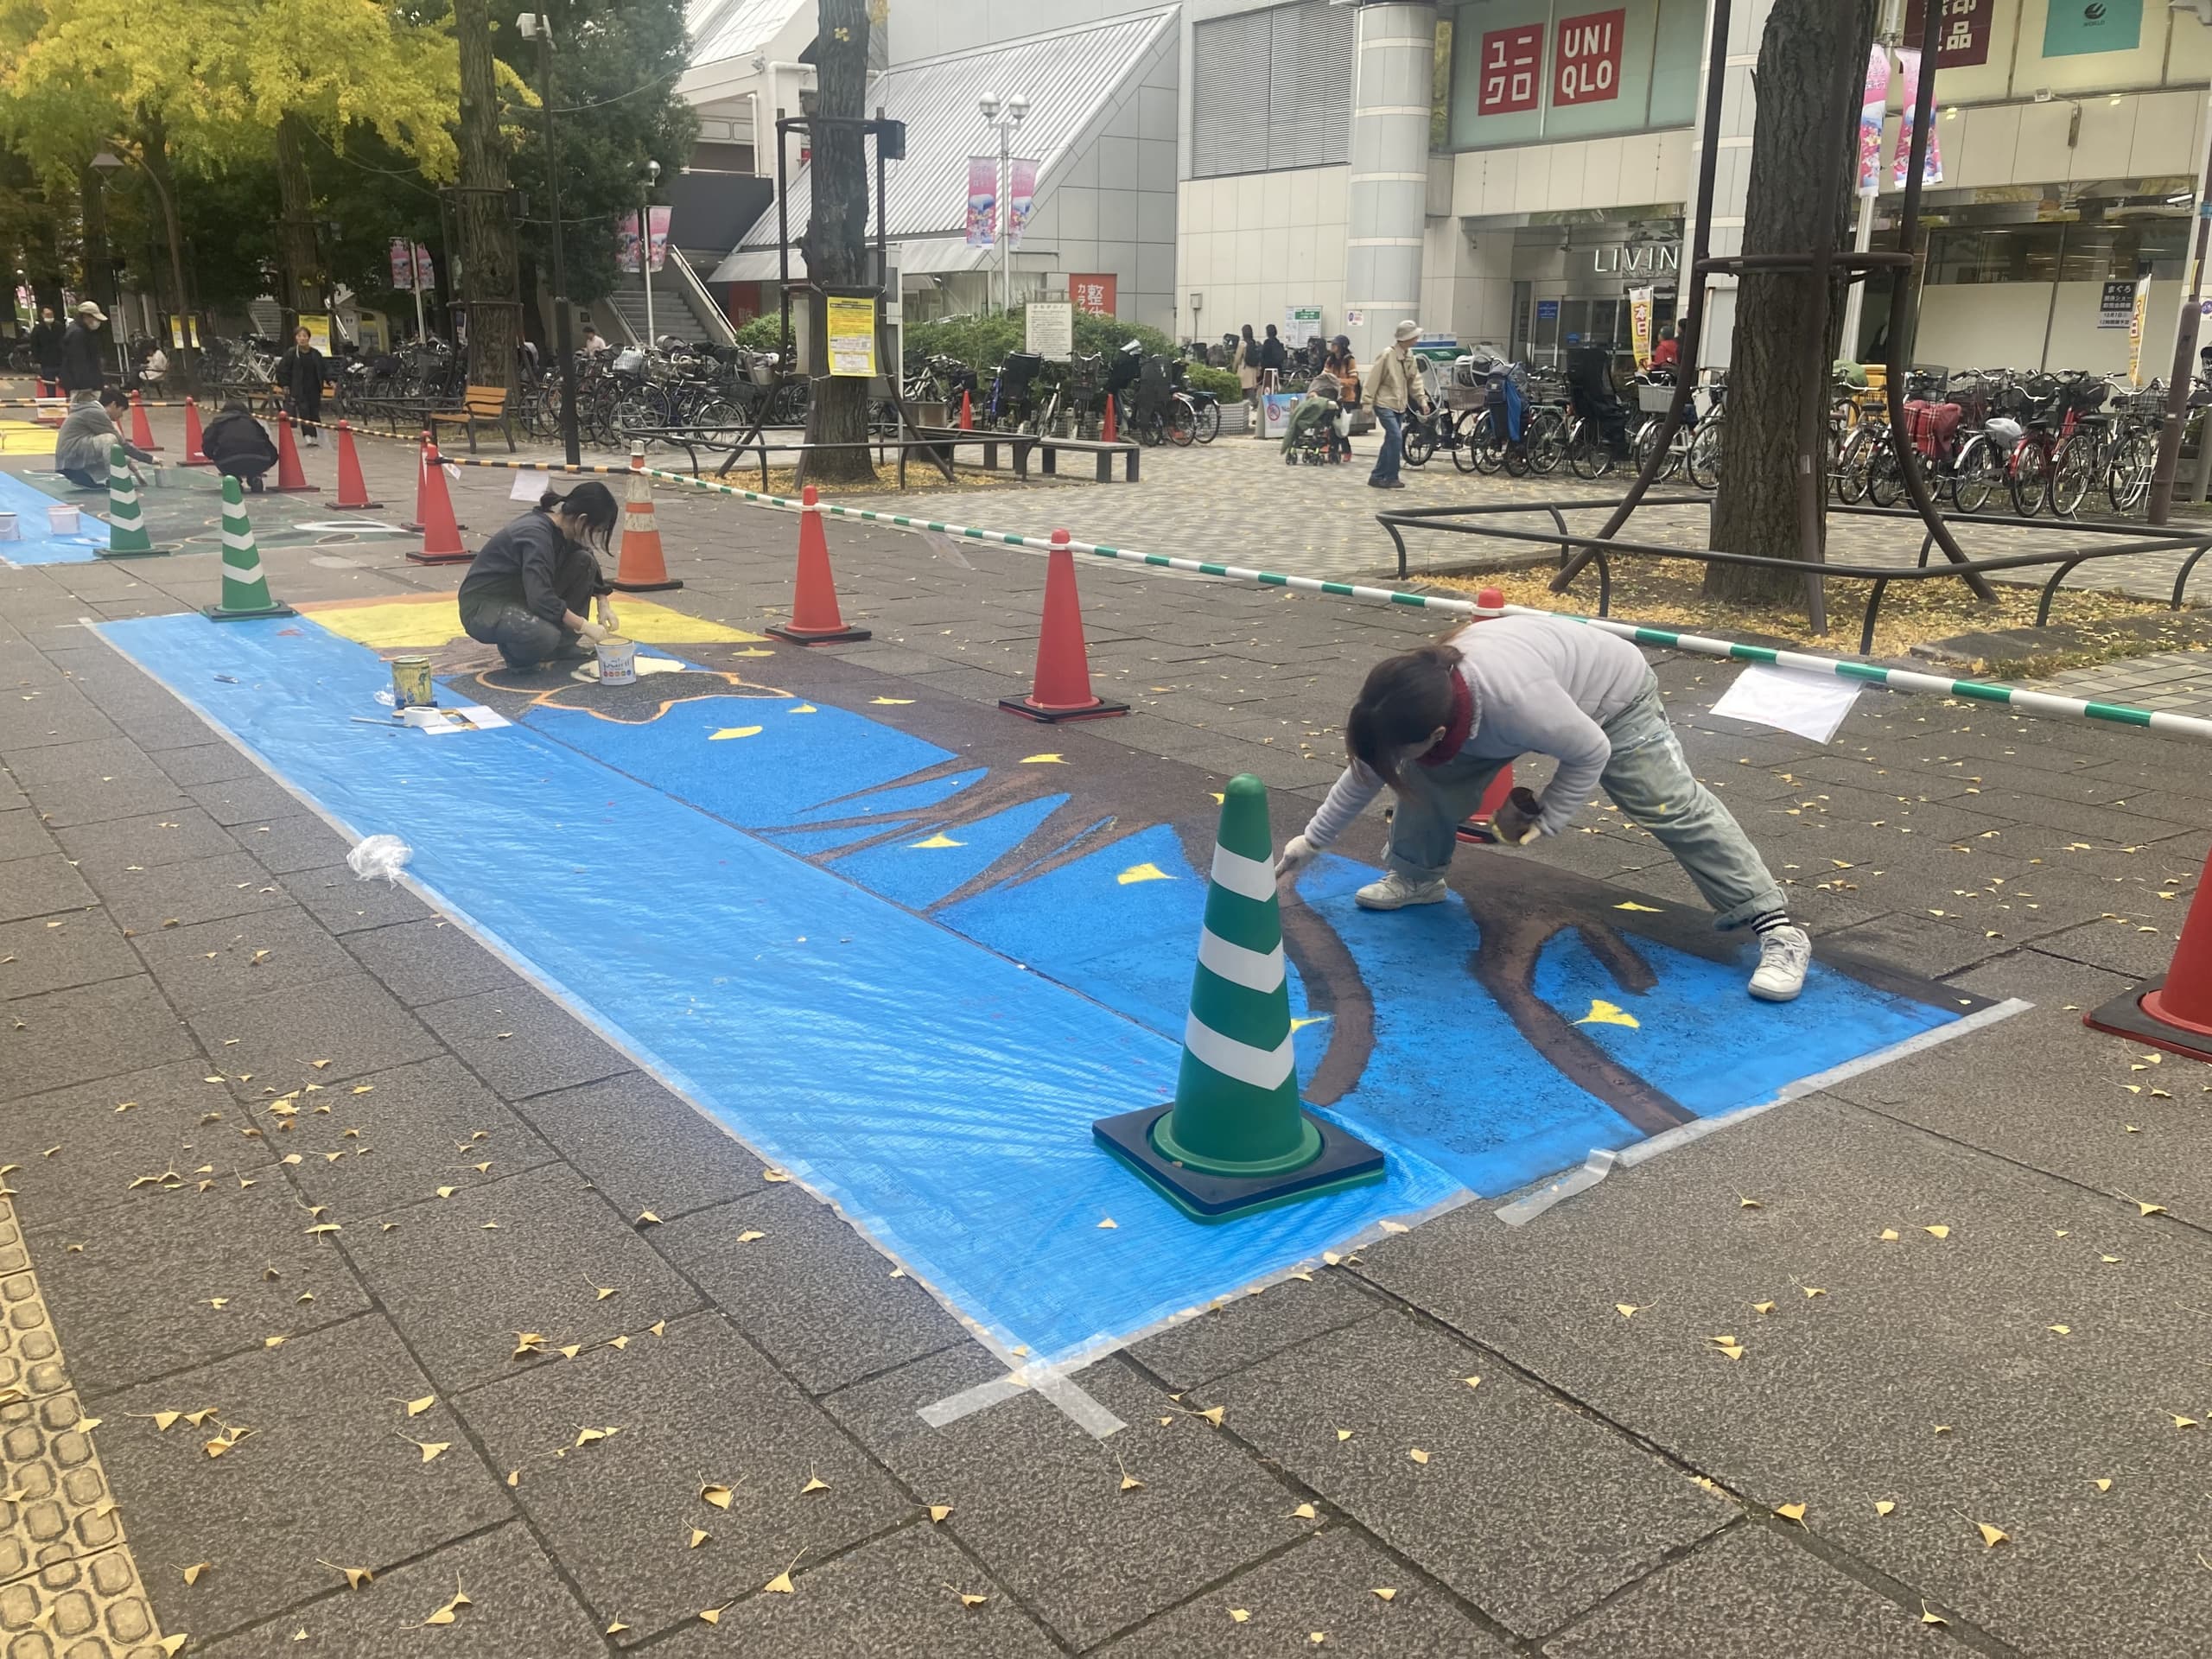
x=87, y=437
x=1436, y=724
x=240, y=445
x=530, y=583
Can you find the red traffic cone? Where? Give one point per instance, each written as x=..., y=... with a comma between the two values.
x=816, y=619
x=194, y=455
x=353, y=489
x=1062, y=688
x=967, y=415
x=142, y=429
x=641, y=569
x=441, y=535
x=2174, y=1011
x=1106, y=427
x=291, y=477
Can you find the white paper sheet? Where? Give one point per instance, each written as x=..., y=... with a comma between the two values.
x=530, y=485
x=1794, y=700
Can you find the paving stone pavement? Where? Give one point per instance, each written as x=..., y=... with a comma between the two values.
x=1611, y=1488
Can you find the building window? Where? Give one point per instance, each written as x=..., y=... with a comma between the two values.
x=1271, y=89
x=1525, y=71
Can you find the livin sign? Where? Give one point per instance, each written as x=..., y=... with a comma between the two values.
x=1637, y=260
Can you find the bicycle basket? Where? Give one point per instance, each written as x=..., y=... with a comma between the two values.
x=629, y=360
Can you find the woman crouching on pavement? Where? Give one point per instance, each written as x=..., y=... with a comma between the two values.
x=532, y=581
x=1436, y=724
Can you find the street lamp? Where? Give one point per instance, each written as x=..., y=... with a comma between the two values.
x=1005, y=117
x=107, y=162
x=535, y=26
x=645, y=242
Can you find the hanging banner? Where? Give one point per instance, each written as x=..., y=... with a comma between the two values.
x=628, y=244
x=2072, y=28
x=1873, y=104
x=657, y=235
x=1962, y=33
x=983, y=200
x=403, y=265
x=425, y=275
x=1931, y=171
x=177, y=327
x=2135, y=330
x=1020, y=196
x=852, y=335
x=1639, y=325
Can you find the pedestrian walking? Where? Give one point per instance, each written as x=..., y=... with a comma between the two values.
x=299, y=371
x=1435, y=725
x=81, y=447
x=1393, y=386
x=79, y=370
x=240, y=445
x=46, y=343
x=1247, y=367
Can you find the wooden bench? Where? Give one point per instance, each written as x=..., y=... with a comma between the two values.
x=480, y=406
x=945, y=441
x=1104, y=452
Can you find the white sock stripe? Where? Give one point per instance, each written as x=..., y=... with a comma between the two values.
x=1255, y=970
x=1247, y=877
x=1261, y=1068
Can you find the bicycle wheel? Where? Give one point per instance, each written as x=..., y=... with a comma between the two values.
x=1209, y=423
x=1586, y=453
x=1182, y=423
x=1978, y=474
x=1547, y=441
x=1419, y=443
x=2029, y=477
x=2127, y=478
x=1884, y=476
x=2073, y=472
x=1854, y=468
x=1703, y=460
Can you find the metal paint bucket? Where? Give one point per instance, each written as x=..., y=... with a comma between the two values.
x=61, y=519
x=617, y=661
x=7, y=531
x=411, y=683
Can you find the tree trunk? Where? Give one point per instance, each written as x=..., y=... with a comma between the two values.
x=98, y=263
x=835, y=241
x=1803, y=156
x=303, y=289
x=164, y=270
x=488, y=264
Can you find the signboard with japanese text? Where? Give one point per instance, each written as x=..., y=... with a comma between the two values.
x=1587, y=62
x=1512, y=69
x=1962, y=30
x=1092, y=292
x=1300, y=324
x=2116, y=305
x=1048, y=329
x=2140, y=303
x=851, y=320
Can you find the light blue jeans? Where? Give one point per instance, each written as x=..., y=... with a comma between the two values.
x=1394, y=445
x=1648, y=777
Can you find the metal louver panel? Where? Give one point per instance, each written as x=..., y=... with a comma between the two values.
x=1272, y=89
x=1231, y=66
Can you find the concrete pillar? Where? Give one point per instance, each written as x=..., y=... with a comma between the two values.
x=1731, y=176
x=1388, y=186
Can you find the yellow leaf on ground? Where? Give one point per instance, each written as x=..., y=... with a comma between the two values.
x=617, y=1628
x=1418, y=1455
x=1762, y=1307
x=1993, y=1536
x=814, y=1484
x=970, y=1600
x=192, y=1573
x=417, y=1407
x=2104, y=1485
x=1343, y=1435
x=173, y=1644
x=892, y=702
x=355, y=1576
x=1306, y=1512
x=749, y=1235
x=1890, y=1236
x=1882, y=1505
x=775, y=1176
x=1472, y=1381
x=699, y=1537
x=1240, y=1614
x=1137, y=873
x=2149, y=1209
x=1213, y=1414
x=1749, y=1204
x=1927, y=1618
x=940, y=1511
x=1734, y=1351
x=1627, y=1310
x=1384, y=1594
x=2062, y=1329
x=937, y=842
x=1629, y=903
x=717, y=1496
x=1043, y=760
x=1791, y=1512
x=1108, y=1225
x=2183, y=1422
x=431, y=1450
x=1129, y=1482
x=1939, y=1231
x=1812, y=1291
x=1603, y=1013
x=646, y=1218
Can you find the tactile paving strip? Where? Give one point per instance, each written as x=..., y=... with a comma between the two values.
x=68, y=1586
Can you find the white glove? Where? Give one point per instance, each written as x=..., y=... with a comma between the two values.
x=1297, y=853
x=592, y=632
x=607, y=616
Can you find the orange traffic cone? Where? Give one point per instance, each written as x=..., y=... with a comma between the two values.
x=194, y=455
x=2174, y=1011
x=441, y=535
x=816, y=619
x=1062, y=688
x=291, y=477
x=641, y=569
x=967, y=415
x=1106, y=427
x=353, y=489
x=142, y=429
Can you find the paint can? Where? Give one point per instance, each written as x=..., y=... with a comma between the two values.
x=8, y=530
x=411, y=683
x=617, y=661
x=62, y=518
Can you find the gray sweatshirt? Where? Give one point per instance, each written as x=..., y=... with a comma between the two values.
x=1541, y=686
x=86, y=439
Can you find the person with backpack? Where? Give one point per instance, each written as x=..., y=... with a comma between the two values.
x=1273, y=358
x=1247, y=367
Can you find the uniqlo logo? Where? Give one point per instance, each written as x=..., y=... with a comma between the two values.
x=1513, y=64
x=1588, y=59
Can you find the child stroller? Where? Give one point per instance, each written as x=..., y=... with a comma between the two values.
x=1315, y=436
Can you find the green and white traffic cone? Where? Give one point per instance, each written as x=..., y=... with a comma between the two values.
x=1236, y=1139
x=246, y=589
x=126, y=518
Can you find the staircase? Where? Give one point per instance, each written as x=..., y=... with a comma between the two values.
x=681, y=305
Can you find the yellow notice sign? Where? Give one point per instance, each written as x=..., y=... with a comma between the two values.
x=852, y=336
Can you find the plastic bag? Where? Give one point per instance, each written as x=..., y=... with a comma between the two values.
x=384, y=856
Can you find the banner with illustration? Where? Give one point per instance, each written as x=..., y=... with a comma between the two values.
x=1873, y=104
x=983, y=200
x=1020, y=197
x=1639, y=325
x=1931, y=171
x=626, y=240
x=2135, y=330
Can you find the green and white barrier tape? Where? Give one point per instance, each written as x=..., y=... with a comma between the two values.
x=1896, y=679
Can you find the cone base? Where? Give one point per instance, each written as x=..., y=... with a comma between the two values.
x=418, y=556
x=1343, y=1161
x=662, y=585
x=416, y=530
x=1100, y=708
x=826, y=637
x=2126, y=1016
x=216, y=614
x=159, y=550
x=361, y=506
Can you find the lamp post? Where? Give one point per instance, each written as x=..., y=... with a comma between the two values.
x=646, y=243
x=535, y=25
x=1005, y=117
x=108, y=162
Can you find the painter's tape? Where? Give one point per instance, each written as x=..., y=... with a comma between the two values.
x=1050, y=1382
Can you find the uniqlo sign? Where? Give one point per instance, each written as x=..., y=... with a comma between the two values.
x=1512, y=66
x=1962, y=30
x=1586, y=65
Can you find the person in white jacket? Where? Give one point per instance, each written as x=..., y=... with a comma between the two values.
x=1436, y=724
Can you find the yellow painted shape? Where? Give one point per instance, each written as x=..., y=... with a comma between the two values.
x=1310, y=1020
x=1629, y=903
x=25, y=437
x=1042, y=760
x=892, y=702
x=1603, y=1013
x=433, y=619
x=803, y=708
x=937, y=841
x=1218, y=797
x=1137, y=873
x=733, y=731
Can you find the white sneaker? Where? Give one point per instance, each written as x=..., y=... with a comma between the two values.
x=1784, y=954
x=1395, y=892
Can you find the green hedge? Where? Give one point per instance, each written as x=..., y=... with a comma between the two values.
x=982, y=342
x=1223, y=383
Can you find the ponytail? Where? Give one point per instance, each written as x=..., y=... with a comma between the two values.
x=1405, y=698
x=592, y=502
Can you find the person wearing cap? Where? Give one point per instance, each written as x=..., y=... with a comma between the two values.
x=1436, y=724
x=81, y=375
x=1393, y=386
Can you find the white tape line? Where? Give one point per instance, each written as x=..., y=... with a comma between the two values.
x=1050, y=1382
x=1601, y=1162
